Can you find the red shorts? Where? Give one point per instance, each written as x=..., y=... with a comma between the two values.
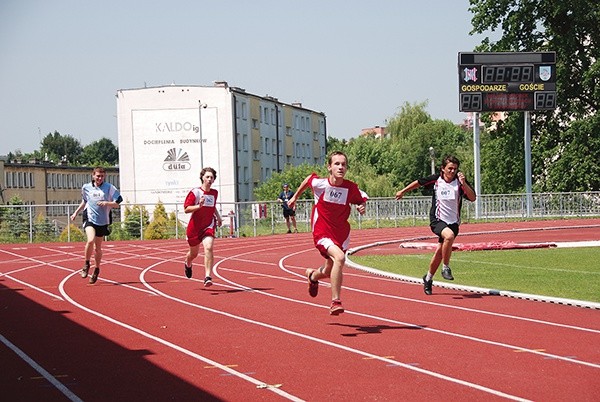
x=195, y=240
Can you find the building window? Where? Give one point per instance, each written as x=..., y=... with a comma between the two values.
x=245, y=142
x=255, y=124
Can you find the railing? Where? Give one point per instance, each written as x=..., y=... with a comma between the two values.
x=24, y=223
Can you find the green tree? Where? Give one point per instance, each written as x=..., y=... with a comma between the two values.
x=270, y=189
x=136, y=219
x=576, y=169
x=158, y=227
x=61, y=148
x=409, y=116
x=15, y=221
x=43, y=229
x=76, y=234
x=572, y=30
x=100, y=153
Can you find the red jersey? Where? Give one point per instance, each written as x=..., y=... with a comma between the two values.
x=203, y=218
x=332, y=209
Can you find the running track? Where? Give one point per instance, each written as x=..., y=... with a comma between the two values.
x=145, y=332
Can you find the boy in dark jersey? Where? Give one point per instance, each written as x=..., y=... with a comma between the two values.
x=449, y=188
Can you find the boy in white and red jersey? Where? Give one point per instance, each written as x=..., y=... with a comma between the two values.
x=201, y=202
x=333, y=197
x=449, y=188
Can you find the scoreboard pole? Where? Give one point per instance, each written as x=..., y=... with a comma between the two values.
x=477, y=163
x=528, y=190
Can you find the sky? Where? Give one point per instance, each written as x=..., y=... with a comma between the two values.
x=63, y=61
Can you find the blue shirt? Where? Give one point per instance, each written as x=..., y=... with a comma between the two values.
x=98, y=215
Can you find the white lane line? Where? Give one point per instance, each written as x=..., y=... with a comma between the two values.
x=328, y=343
x=378, y=276
x=33, y=287
x=167, y=343
x=43, y=372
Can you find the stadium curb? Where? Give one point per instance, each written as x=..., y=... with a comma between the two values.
x=472, y=289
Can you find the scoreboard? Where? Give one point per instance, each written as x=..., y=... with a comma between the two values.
x=506, y=81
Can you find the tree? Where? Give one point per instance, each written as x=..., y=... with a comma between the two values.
x=100, y=153
x=61, y=148
x=72, y=231
x=158, y=227
x=43, y=229
x=15, y=221
x=136, y=219
x=270, y=190
x=574, y=170
x=409, y=116
x=572, y=30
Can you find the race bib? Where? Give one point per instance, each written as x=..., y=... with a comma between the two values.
x=447, y=194
x=336, y=195
x=209, y=200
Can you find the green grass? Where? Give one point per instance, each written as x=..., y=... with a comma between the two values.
x=572, y=273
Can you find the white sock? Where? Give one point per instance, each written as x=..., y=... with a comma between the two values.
x=428, y=276
x=446, y=266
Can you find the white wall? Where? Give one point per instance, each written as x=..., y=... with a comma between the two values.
x=159, y=142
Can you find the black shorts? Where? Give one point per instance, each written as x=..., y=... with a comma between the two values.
x=288, y=212
x=438, y=226
x=101, y=230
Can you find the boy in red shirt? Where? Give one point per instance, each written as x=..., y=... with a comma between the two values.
x=201, y=202
x=333, y=196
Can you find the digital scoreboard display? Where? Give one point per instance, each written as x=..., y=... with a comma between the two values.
x=504, y=81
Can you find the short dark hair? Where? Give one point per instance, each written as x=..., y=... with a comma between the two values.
x=208, y=169
x=334, y=153
x=450, y=159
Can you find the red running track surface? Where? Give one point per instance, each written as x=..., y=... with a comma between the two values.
x=145, y=332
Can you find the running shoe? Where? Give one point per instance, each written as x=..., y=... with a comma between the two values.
x=313, y=286
x=208, y=282
x=85, y=270
x=336, y=307
x=427, y=285
x=94, y=276
x=188, y=270
x=447, y=273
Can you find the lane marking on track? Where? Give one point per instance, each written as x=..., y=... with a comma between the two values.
x=377, y=276
x=479, y=340
x=534, y=350
x=55, y=265
x=224, y=365
x=42, y=371
x=322, y=341
x=164, y=341
x=56, y=297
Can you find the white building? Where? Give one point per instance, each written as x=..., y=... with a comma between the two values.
x=168, y=133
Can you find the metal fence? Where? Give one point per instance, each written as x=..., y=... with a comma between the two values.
x=24, y=223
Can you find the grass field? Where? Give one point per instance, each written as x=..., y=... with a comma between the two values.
x=572, y=273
